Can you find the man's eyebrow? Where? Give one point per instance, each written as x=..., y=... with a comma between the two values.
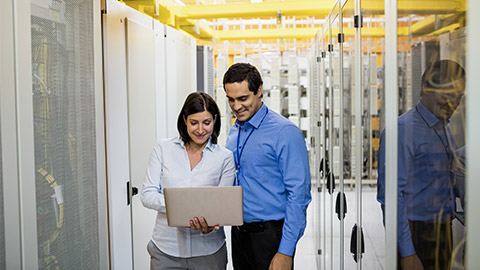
x=244, y=96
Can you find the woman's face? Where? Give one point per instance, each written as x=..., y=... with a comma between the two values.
x=200, y=127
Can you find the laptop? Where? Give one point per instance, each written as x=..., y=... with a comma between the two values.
x=219, y=205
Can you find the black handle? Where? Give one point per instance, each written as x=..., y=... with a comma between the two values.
x=337, y=206
x=330, y=182
x=133, y=191
x=353, y=243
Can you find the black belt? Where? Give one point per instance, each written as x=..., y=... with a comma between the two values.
x=260, y=226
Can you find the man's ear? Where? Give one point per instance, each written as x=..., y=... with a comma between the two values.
x=260, y=91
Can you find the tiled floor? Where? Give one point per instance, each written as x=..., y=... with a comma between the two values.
x=373, y=259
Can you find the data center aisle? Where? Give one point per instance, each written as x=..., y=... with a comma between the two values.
x=373, y=232
x=304, y=256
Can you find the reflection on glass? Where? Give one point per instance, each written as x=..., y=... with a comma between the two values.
x=425, y=168
x=431, y=128
x=64, y=133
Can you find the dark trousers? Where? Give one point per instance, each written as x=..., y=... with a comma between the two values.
x=255, y=244
x=433, y=243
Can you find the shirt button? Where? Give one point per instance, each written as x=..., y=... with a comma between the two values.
x=240, y=147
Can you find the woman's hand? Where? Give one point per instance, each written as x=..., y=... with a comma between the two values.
x=200, y=224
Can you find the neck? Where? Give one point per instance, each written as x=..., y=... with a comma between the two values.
x=194, y=147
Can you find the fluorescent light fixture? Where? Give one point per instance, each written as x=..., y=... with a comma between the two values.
x=256, y=1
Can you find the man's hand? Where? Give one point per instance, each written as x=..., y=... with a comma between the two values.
x=281, y=262
x=411, y=262
x=200, y=224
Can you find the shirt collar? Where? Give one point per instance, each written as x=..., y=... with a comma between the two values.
x=209, y=145
x=257, y=118
x=429, y=117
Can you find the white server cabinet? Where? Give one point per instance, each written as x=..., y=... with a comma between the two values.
x=275, y=101
x=205, y=70
x=292, y=70
x=293, y=100
x=275, y=72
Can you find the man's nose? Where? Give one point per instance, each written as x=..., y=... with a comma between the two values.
x=236, y=105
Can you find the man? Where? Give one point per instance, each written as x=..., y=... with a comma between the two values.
x=425, y=178
x=273, y=170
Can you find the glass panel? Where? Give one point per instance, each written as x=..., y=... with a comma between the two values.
x=352, y=191
x=323, y=84
x=373, y=122
x=315, y=154
x=332, y=231
x=431, y=132
x=64, y=132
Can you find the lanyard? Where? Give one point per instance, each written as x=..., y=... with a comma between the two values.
x=239, y=151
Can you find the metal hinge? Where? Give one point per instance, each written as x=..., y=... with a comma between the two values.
x=341, y=37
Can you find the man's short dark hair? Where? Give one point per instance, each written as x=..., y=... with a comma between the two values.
x=240, y=72
x=441, y=74
x=198, y=102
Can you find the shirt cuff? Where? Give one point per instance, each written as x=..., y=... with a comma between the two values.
x=406, y=248
x=287, y=247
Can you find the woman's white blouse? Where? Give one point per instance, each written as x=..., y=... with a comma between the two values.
x=169, y=166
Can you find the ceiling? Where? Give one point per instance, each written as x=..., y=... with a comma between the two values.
x=241, y=22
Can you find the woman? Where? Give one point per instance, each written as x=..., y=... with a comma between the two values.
x=192, y=159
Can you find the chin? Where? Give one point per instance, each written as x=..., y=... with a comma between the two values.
x=199, y=142
x=242, y=118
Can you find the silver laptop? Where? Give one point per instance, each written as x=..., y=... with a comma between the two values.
x=219, y=205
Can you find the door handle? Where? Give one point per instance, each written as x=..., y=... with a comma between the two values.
x=133, y=191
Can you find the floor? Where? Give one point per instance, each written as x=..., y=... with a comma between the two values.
x=373, y=259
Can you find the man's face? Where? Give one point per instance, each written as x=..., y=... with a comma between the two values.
x=443, y=102
x=243, y=102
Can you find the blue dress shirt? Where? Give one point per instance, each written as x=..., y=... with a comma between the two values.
x=273, y=170
x=425, y=158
